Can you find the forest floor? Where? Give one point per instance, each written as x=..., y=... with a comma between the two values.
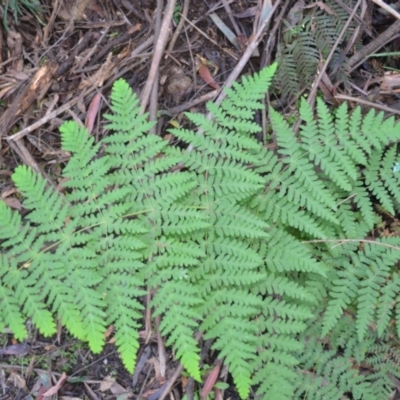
x=60, y=64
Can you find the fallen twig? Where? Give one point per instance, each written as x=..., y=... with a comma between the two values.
x=385, y=37
x=313, y=92
x=158, y=52
x=253, y=43
x=368, y=103
x=178, y=29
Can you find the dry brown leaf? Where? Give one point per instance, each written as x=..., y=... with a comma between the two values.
x=92, y=394
x=106, y=383
x=30, y=92
x=92, y=112
x=205, y=74
x=109, y=383
x=109, y=331
x=54, y=389
x=3, y=92
x=20, y=75
x=8, y=192
x=210, y=381
x=391, y=80
x=19, y=349
x=217, y=394
x=117, y=390
x=250, y=12
x=17, y=380
x=322, y=6
x=102, y=74
x=13, y=203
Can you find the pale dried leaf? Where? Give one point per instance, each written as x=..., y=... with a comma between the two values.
x=17, y=380
x=391, y=80
x=322, y=6
x=54, y=389
x=106, y=383
x=92, y=112
x=210, y=381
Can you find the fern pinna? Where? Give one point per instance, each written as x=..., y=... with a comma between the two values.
x=261, y=249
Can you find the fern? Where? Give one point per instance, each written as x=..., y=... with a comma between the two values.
x=309, y=40
x=233, y=240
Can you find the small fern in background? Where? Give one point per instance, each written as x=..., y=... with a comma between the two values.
x=260, y=250
x=308, y=35
x=16, y=7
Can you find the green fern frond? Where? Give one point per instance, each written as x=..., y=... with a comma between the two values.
x=344, y=290
x=340, y=167
x=248, y=93
x=302, y=45
x=385, y=303
x=48, y=211
x=237, y=347
x=11, y=314
x=373, y=181
x=286, y=76
x=178, y=302
x=285, y=253
x=296, y=159
x=126, y=116
x=242, y=244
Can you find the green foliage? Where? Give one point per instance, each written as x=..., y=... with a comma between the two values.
x=17, y=7
x=308, y=35
x=262, y=251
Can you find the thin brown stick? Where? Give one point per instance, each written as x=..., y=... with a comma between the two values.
x=94, y=48
x=161, y=348
x=206, y=97
x=171, y=382
x=27, y=158
x=385, y=37
x=211, y=10
x=254, y=42
x=141, y=48
x=359, y=20
x=115, y=42
x=50, y=22
x=175, y=376
x=313, y=92
x=46, y=118
x=158, y=52
x=153, y=108
x=231, y=17
x=178, y=29
x=211, y=40
x=368, y=103
x=387, y=8
x=270, y=43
